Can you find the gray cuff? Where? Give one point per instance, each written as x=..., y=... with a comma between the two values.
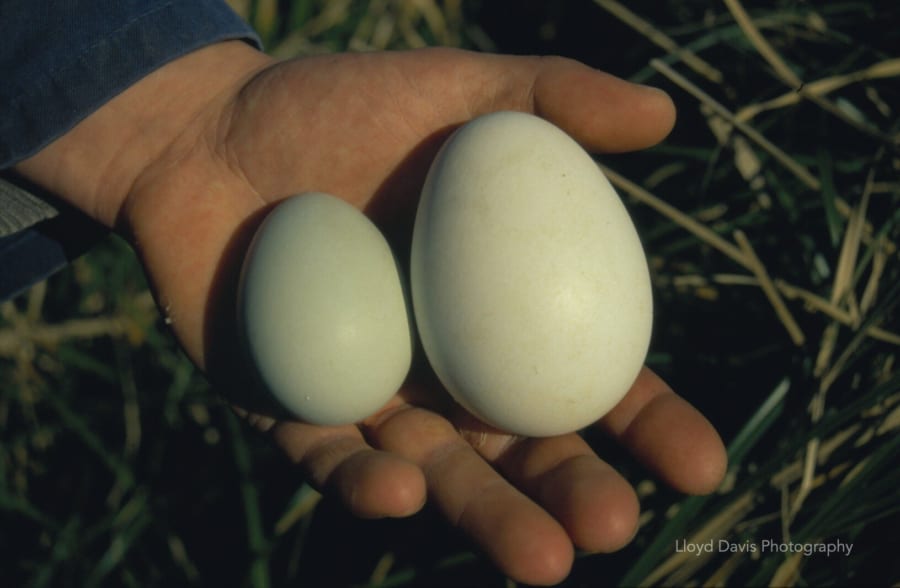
x=20, y=209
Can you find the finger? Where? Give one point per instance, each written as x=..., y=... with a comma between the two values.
x=370, y=483
x=601, y=111
x=520, y=537
x=597, y=506
x=668, y=435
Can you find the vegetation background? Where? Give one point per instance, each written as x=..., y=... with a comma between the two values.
x=771, y=219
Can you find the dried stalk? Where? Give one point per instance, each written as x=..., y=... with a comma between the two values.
x=771, y=292
x=660, y=39
x=687, y=222
x=791, y=164
x=762, y=46
x=792, y=80
x=883, y=69
x=811, y=301
x=716, y=528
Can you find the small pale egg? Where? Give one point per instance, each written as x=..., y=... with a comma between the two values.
x=322, y=311
x=530, y=286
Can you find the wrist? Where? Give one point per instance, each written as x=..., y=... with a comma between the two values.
x=95, y=165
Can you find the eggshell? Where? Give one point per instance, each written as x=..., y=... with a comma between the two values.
x=530, y=286
x=322, y=311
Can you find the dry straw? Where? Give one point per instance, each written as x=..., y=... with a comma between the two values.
x=814, y=465
x=660, y=39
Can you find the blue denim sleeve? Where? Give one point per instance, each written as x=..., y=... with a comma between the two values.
x=62, y=59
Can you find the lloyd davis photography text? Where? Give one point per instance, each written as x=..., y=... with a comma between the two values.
x=827, y=548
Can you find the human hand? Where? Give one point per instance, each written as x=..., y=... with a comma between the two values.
x=192, y=158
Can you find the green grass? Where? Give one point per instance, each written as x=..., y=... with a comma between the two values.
x=119, y=467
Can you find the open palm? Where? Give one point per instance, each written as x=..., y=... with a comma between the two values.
x=365, y=127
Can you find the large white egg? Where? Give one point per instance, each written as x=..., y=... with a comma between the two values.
x=530, y=287
x=322, y=311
